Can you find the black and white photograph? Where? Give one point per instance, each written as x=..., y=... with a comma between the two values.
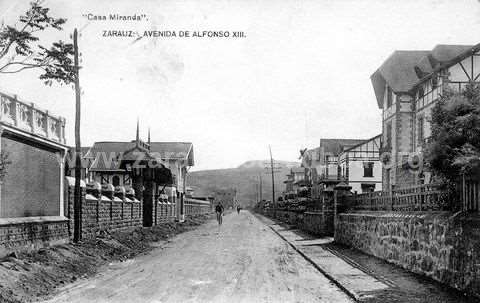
x=237, y=151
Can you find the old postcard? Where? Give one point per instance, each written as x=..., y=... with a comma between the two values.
x=239, y=151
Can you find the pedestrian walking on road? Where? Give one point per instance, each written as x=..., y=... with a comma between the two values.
x=238, y=209
x=219, y=211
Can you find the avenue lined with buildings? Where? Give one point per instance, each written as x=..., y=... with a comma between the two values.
x=390, y=215
x=241, y=261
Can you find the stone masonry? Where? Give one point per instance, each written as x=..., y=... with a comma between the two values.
x=103, y=213
x=31, y=233
x=441, y=245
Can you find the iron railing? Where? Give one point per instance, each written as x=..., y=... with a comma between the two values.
x=414, y=198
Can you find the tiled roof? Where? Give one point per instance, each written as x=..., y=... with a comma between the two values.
x=171, y=150
x=106, y=153
x=404, y=69
x=398, y=71
x=363, y=142
x=112, y=150
x=335, y=146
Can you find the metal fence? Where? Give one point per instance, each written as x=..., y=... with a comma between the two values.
x=415, y=198
x=470, y=194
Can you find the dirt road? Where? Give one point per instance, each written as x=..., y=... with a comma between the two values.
x=240, y=261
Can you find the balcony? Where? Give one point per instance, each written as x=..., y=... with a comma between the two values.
x=29, y=118
x=330, y=178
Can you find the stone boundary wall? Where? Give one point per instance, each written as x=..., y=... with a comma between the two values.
x=103, y=213
x=31, y=233
x=318, y=223
x=441, y=245
x=290, y=217
x=164, y=212
x=315, y=222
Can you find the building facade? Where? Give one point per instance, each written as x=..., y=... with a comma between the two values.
x=406, y=86
x=175, y=158
x=360, y=166
x=328, y=152
x=33, y=150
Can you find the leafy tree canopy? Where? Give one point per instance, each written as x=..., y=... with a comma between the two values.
x=19, y=48
x=454, y=149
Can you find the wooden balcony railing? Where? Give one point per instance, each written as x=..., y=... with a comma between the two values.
x=31, y=119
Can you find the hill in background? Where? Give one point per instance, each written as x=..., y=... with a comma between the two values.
x=245, y=178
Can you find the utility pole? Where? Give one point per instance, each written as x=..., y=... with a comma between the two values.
x=260, y=184
x=273, y=178
x=77, y=195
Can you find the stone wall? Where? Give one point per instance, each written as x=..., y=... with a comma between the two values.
x=441, y=245
x=103, y=213
x=164, y=212
x=113, y=213
x=315, y=222
x=290, y=217
x=318, y=223
x=31, y=233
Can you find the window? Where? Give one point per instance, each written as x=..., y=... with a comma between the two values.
x=420, y=127
x=389, y=97
x=434, y=81
x=389, y=135
x=368, y=169
x=420, y=92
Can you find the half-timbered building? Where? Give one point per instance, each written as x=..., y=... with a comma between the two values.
x=360, y=166
x=406, y=86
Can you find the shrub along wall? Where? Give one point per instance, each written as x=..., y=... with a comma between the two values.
x=441, y=245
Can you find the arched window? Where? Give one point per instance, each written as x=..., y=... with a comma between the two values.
x=116, y=180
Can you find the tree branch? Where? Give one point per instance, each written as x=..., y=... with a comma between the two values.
x=42, y=63
x=21, y=69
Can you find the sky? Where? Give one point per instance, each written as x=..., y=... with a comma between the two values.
x=301, y=73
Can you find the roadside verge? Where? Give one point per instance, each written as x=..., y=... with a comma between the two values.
x=29, y=276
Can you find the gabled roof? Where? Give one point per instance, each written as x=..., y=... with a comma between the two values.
x=106, y=153
x=446, y=52
x=172, y=150
x=361, y=143
x=403, y=70
x=398, y=72
x=335, y=146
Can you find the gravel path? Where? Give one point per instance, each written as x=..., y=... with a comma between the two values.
x=240, y=261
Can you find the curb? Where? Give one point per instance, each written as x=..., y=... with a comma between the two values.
x=351, y=294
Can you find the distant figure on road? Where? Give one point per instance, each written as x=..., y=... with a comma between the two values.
x=219, y=210
x=238, y=209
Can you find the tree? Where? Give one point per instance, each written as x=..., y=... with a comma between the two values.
x=19, y=50
x=454, y=149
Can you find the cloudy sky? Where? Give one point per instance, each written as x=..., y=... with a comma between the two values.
x=301, y=74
